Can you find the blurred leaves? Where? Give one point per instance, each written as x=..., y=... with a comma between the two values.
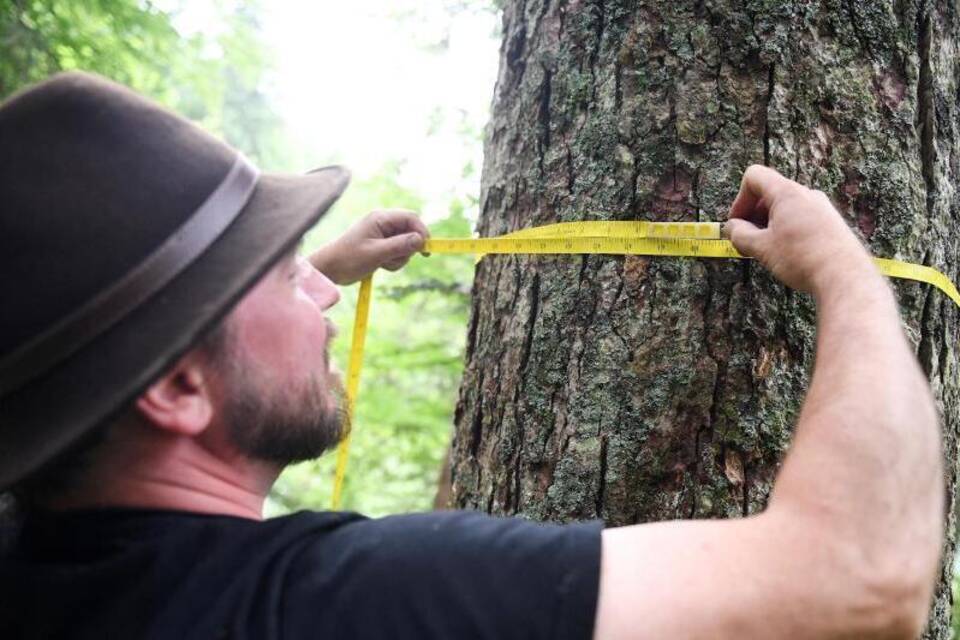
x=213, y=78
x=431, y=28
x=411, y=369
x=119, y=38
x=217, y=78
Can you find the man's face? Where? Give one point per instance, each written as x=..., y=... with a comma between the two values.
x=282, y=397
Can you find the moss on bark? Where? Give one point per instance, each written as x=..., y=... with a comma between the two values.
x=639, y=389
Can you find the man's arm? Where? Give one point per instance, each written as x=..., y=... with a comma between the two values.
x=384, y=239
x=849, y=544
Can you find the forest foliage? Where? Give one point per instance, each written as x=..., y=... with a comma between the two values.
x=414, y=351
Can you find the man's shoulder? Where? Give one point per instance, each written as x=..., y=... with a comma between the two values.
x=414, y=533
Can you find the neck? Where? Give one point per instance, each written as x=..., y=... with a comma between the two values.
x=176, y=473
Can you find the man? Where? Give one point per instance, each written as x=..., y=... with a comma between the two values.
x=163, y=356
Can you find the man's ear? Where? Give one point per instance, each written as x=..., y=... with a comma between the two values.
x=181, y=401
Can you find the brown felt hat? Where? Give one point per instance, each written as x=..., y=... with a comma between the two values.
x=125, y=233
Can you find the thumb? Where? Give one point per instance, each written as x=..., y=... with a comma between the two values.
x=746, y=237
x=401, y=246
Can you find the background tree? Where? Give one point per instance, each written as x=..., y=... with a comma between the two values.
x=638, y=389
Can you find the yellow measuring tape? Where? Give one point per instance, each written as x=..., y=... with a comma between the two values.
x=686, y=239
x=353, y=381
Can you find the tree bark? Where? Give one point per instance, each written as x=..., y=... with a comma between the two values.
x=637, y=389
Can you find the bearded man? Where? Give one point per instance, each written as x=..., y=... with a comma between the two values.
x=164, y=354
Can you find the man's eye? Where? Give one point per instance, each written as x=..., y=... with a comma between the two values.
x=299, y=270
x=293, y=271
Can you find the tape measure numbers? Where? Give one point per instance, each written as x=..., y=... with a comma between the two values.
x=677, y=239
x=613, y=246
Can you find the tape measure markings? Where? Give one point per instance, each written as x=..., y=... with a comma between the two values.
x=353, y=382
x=675, y=239
x=616, y=229
x=653, y=246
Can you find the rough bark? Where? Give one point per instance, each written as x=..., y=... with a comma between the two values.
x=638, y=389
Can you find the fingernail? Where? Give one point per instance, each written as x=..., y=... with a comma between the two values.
x=414, y=240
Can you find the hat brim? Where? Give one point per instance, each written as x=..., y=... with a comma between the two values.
x=46, y=416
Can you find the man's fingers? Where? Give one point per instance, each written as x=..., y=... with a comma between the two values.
x=392, y=222
x=746, y=237
x=758, y=188
x=400, y=247
x=396, y=265
x=420, y=227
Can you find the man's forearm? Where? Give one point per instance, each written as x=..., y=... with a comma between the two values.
x=866, y=461
x=849, y=543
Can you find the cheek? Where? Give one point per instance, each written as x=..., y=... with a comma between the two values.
x=284, y=338
x=307, y=326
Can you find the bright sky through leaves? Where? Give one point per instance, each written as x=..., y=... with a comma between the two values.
x=369, y=82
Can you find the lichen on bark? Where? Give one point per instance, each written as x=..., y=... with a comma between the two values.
x=638, y=389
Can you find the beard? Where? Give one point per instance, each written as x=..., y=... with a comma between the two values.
x=281, y=425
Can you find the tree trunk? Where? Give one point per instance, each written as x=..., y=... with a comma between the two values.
x=638, y=389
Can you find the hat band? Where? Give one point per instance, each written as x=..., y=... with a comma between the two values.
x=111, y=305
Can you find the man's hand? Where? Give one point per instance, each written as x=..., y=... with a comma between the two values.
x=795, y=232
x=381, y=239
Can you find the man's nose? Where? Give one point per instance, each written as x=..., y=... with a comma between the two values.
x=326, y=293
x=323, y=290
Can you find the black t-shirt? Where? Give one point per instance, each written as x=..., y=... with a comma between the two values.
x=173, y=575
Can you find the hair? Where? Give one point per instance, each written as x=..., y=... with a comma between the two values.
x=64, y=471
x=52, y=479
x=68, y=468
x=28, y=495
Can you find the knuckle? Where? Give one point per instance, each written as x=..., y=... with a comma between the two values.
x=754, y=174
x=792, y=198
x=820, y=199
x=793, y=187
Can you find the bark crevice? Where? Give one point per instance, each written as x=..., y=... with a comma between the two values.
x=926, y=108
x=771, y=85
